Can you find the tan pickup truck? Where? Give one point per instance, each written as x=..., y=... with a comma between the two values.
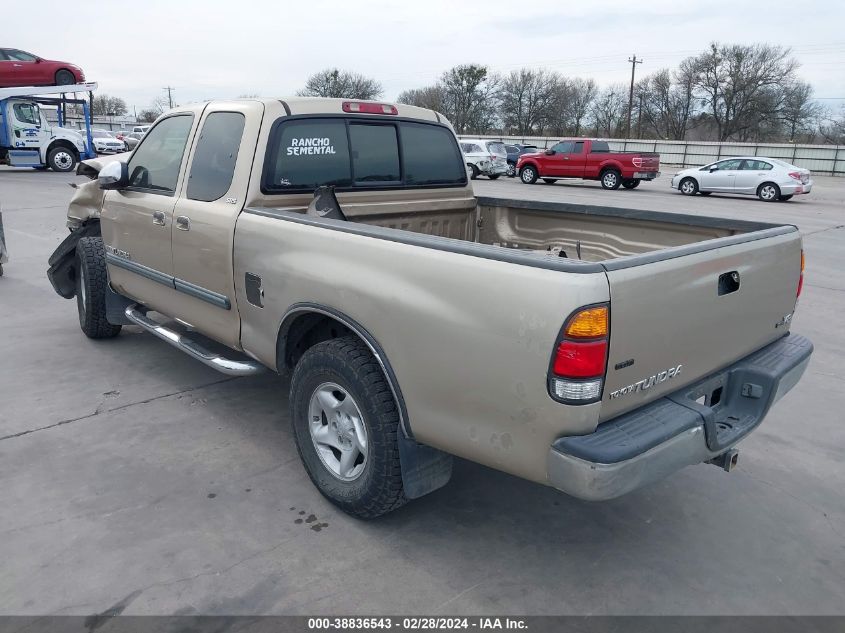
x=586, y=348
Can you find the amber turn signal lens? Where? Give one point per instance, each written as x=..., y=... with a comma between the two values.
x=588, y=323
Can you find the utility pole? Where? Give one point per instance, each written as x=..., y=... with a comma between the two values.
x=170, y=94
x=633, y=61
x=640, y=117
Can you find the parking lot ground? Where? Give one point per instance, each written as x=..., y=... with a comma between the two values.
x=134, y=477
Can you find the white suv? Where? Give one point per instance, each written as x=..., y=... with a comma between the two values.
x=484, y=157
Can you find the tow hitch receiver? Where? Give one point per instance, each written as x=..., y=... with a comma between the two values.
x=727, y=460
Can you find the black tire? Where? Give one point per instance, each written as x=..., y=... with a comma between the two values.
x=91, y=285
x=705, y=193
x=528, y=174
x=550, y=181
x=785, y=198
x=631, y=183
x=348, y=363
x=62, y=159
x=688, y=186
x=65, y=78
x=768, y=192
x=611, y=179
x=511, y=170
x=474, y=173
x=493, y=176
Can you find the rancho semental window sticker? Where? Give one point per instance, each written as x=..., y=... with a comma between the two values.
x=302, y=146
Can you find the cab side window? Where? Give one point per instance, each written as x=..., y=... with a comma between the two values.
x=213, y=166
x=27, y=113
x=154, y=166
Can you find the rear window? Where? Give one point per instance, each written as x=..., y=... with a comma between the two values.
x=304, y=154
x=497, y=148
x=600, y=146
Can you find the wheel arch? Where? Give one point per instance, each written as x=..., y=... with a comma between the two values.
x=60, y=142
x=610, y=165
x=306, y=324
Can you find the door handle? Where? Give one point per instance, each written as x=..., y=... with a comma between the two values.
x=158, y=218
x=183, y=223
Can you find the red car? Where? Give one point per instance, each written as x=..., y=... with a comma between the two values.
x=590, y=160
x=19, y=68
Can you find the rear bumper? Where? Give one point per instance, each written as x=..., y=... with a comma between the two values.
x=662, y=437
x=793, y=188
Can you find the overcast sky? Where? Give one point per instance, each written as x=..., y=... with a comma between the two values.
x=217, y=49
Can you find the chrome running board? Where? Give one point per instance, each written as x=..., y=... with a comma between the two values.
x=137, y=315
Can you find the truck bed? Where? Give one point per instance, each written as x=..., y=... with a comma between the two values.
x=587, y=233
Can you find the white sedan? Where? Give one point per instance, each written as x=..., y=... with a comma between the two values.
x=106, y=143
x=769, y=179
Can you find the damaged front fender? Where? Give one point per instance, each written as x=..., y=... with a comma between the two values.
x=87, y=201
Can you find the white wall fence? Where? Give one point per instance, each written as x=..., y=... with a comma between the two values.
x=822, y=159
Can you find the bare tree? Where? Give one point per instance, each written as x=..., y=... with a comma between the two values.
x=799, y=113
x=608, y=111
x=527, y=99
x=469, y=98
x=105, y=105
x=148, y=116
x=665, y=101
x=430, y=97
x=832, y=128
x=732, y=81
x=341, y=84
x=582, y=94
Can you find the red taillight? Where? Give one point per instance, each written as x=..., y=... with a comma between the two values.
x=800, y=277
x=577, y=369
x=359, y=107
x=578, y=359
x=795, y=175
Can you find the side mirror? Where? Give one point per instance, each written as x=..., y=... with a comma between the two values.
x=714, y=168
x=549, y=152
x=38, y=60
x=113, y=176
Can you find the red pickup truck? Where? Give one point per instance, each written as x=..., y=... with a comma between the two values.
x=590, y=160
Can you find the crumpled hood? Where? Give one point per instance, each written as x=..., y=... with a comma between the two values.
x=88, y=199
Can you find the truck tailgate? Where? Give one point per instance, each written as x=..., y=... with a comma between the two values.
x=677, y=319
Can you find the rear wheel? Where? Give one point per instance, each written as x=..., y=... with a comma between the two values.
x=345, y=423
x=688, y=187
x=91, y=286
x=550, y=181
x=528, y=175
x=768, y=192
x=473, y=172
x=785, y=198
x=64, y=78
x=611, y=179
x=630, y=183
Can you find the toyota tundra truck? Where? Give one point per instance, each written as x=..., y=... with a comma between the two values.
x=590, y=349
x=588, y=159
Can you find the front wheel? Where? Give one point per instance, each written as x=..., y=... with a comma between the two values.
x=631, y=183
x=345, y=423
x=528, y=175
x=768, y=192
x=92, y=282
x=611, y=179
x=61, y=159
x=688, y=187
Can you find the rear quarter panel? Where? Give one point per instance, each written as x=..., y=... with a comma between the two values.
x=468, y=338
